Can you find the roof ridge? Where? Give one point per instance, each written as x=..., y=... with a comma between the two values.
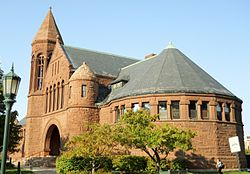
x=140, y=61
x=177, y=68
x=101, y=52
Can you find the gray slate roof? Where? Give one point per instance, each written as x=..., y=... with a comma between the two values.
x=100, y=63
x=169, y=72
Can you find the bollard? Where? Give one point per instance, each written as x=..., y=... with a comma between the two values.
x=18, y=168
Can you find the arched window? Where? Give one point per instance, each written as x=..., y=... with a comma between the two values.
x=58, y=95
x=46, y=102
x=54, y=97
x=62, y=95
x=40, y=71
x=50, y=98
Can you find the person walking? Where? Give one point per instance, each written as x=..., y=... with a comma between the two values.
x=220, y=166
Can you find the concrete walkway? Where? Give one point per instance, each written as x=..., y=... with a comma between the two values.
x=44, y=170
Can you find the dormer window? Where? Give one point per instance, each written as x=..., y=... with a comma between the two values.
x=118, y=85
x=120, y=82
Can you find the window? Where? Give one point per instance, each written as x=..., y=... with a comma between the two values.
x=54, y=97
x=46, y=102
x=175, y=111
x=193, y=110
x=237, y=115
x=83, y=90
x=50, y=98
x=219, y=111
x=162, y=110
x=135, y=107
x=227, y=112
x=40, y=69
x=117, y=114
x=62, y=95
x=58, y=95
x=70, y=88
x=123, y=109
x=146, y=106
x=204, y=110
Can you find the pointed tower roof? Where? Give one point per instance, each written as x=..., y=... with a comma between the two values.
x=48, y=30
x=169, y=72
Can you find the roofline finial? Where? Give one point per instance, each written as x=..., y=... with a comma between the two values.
x=12, y=67
x=170, y=45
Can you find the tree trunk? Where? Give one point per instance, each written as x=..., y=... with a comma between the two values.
x=93, y=168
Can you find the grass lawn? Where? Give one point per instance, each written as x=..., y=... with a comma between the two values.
x=235, y=172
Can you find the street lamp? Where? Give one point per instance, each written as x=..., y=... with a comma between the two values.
x=11, y=83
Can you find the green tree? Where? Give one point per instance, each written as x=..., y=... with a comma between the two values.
x=15, y=132
x=137, y=130
x=97, y=142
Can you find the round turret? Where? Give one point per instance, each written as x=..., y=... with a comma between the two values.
x=82, y=87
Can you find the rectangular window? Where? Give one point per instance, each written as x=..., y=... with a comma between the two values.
x=193, y=110
x=146, y=106
x=227, y=112
x=135, y=107
x=117, y=114
x=123, y=109
x=219, y=111
x=83, y=90
x=162, y=110
x=70, y=88
x=175, y=109
x=204, y=110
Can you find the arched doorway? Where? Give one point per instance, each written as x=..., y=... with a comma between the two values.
x=52, y=141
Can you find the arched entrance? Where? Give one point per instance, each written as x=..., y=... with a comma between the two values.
x=52, y=141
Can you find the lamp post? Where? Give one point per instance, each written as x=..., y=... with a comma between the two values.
x=11, y=83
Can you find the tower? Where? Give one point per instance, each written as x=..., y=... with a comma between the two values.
x=42, y=47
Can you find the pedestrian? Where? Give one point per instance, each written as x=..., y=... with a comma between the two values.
x=220, y=166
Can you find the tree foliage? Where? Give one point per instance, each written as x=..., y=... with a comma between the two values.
x=136, y=130
x=15, y=132
x=96, y=142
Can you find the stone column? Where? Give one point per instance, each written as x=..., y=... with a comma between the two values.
x=232, y=113
x=153, y=107
x=212, y=106
x=184, y=114
x=199, y=103
x=128, y=106
x=223, y=112
x=169, y=110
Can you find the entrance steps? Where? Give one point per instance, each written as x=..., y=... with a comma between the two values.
x=47, y=162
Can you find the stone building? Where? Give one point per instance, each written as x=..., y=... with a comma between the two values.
x=71, y=87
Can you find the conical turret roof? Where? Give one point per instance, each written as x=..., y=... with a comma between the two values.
x=83, y=72
x=48, y=30
x=169, y=72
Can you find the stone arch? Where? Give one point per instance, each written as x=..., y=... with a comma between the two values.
x=52, y=144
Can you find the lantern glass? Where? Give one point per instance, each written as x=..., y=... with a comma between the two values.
x=11, y=83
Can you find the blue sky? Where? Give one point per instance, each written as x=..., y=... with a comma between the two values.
x=214, y=34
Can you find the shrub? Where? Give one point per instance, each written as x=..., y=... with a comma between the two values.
x=178, y=164
x=82, y=164
x=165, y=165
x=129, y=163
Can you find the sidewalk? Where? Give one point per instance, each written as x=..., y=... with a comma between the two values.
x=44, y=170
